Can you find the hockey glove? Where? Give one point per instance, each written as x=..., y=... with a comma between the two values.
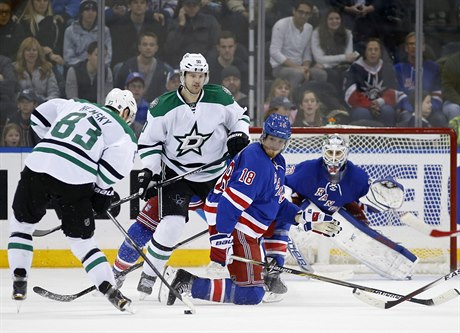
x=221, y=248
x=101, y=199
x=384, y=194
x=318, y=221
x=236, y=142
x=147, y=181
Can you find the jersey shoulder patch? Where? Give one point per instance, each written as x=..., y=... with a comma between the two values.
x=214, y=93
x=165, y=103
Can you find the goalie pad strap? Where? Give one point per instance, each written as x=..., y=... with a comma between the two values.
x=376, y=251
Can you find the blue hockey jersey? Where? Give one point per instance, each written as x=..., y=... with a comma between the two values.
x=309, y=179
x=250, y=194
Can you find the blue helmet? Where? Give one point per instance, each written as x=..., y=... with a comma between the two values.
x=278, y=126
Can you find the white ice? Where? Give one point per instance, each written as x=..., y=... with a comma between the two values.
x=310, y=306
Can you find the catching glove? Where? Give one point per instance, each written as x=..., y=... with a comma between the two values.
x=147, y=181
x=318, y=221
x=236, y=142
x=221, y=248
x=101, y=199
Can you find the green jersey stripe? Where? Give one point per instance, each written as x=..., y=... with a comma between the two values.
x=94, y=263
x=20, y=246
x=67, y=157
x=156, y=255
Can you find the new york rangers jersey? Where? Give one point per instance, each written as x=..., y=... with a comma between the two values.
x=309, y=179
x=81, y=143
x=186, y=137
x=250, y=194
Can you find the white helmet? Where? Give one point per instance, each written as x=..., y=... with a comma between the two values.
x=193, y=62
x=120, y=100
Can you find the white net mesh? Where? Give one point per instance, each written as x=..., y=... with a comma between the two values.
x=419, y=159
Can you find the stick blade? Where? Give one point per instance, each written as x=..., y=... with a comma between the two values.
x=366, y=298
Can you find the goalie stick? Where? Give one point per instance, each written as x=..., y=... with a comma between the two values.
x=68, y=298
x=431, y=301
x=414, y=222
x=437, y=300
x=41, y=233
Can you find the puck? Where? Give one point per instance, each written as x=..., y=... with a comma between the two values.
x=188, y=312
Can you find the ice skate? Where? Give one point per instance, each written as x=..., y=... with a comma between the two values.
x=115, y=297
x=275, y=287
x=182, y=283
x=145, y=285
x=119, y=278
x=19, y=285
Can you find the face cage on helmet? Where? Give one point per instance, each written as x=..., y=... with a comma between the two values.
x=333, y=162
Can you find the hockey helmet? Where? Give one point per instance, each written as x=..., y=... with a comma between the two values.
x=193, y=62
x=278, y=126
x=335, y=155
x=120, y=100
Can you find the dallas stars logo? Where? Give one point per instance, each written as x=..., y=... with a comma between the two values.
x=191, y=142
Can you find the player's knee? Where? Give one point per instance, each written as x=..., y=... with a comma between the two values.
x=20, y=227
x=248, y=295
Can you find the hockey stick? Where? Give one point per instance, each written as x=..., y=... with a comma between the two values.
x=298, y=256
x=169, y=181
x=40, y=233
x=186, y=301
x=414, y=222
x=68, y=298
x=438, y=300
x=284, y=269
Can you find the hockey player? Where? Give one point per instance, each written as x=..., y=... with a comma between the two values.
x=185, y=129
x=336, y=186
x=84, y=150
x=244, y=202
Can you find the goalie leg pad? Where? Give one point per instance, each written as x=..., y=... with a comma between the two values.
x=376, y=251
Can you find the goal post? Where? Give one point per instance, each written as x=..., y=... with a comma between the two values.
x=424, y=160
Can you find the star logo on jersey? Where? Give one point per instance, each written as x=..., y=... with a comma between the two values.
x=191, y=142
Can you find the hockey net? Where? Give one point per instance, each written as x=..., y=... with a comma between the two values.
x=423, y=160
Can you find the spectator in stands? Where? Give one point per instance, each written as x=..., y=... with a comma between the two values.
x=279, y=105
x=27, y=102
x=451, y=86
x=153, y=69
x=81, y=80
x=173, y=80
x=11, y=136
x=290, y=48
x=235, y=18
x=190, y=32
x=310, y=112
x=426, y=112
x=11, y=34
x=370, y=86
x=135, y=83
x=280, y=87
x=81, y=33
x=332, y=47
x=67, y=10
x=39, y=22
x=8, y=83
x=405, y=76
x=225, y=57
x=231, y=79
x=125, y=30
x=33, y=71
x=361, y=17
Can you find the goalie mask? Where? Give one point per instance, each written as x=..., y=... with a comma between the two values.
x=335, y=156
x=193, y=62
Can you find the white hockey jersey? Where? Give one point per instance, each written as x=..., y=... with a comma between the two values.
x=81, y=143
x=186, y=137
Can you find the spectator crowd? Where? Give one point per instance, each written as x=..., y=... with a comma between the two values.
x=327, y=61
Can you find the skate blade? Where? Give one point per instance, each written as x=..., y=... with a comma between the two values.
x=270, y=297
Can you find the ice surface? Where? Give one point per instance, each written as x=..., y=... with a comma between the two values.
x=309, y=306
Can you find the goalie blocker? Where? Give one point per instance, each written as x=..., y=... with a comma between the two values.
x=376, y=251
